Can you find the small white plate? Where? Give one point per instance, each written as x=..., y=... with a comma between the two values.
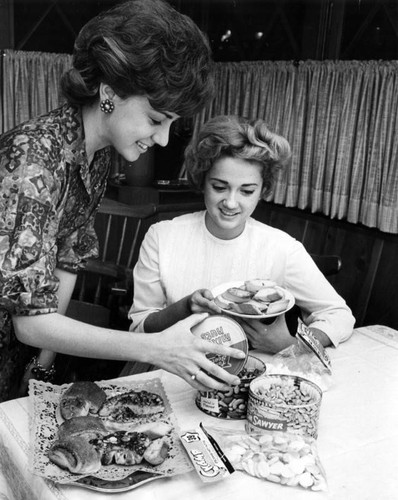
x=218, y=290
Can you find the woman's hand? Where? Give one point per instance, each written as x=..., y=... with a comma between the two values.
x=203, y=301
x=271, y=338
x=178, y=351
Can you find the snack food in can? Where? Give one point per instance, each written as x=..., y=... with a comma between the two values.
x=284, y=403
x=225, y=331
x=233, y=403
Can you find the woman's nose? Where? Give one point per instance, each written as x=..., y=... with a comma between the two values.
x=230, y=201
x=161, y=136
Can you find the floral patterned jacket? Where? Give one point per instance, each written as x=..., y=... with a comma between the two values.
x=48, y=201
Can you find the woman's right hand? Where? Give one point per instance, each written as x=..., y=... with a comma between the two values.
x=178, y=351
x=203, y=301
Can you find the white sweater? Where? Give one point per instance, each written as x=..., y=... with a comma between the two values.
x=180, y=256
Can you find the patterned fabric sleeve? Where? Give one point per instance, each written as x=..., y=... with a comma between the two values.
x=30, y=194
x=76, y=248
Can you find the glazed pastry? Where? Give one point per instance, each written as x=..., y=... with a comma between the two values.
x=237, y=295
x=80, y=399
x=256, y=284
x=131, y=405
x=278, y=306
x=268, y=295
x=87, y=427
x=221, y=302
x=254, y=297
x=76, y=455
x=252, y=307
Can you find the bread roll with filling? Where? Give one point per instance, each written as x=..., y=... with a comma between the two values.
x=76, y=455
x=88, y=427
x=80, y=399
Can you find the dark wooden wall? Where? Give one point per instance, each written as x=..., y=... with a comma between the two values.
x=368, y=279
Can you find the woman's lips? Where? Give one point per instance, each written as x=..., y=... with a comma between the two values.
x=143, y=147
x=228, y=214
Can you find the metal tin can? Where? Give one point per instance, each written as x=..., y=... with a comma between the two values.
x=231, y=404
x=283, y=403
x=224, y=331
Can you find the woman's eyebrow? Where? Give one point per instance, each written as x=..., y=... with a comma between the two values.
x=167, y=114
x=226, y=182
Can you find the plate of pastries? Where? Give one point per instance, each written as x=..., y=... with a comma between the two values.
x=256, y=298
x=105, y=436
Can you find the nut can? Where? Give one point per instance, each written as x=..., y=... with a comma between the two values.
x=224, y=331
x=233, y=403
x=284, y=403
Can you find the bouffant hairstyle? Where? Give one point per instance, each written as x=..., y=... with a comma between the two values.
x=236, y=137
x=142, y=47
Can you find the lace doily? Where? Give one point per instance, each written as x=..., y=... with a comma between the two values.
x=44, y=398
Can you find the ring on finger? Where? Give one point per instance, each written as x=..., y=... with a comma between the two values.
x=194, y=376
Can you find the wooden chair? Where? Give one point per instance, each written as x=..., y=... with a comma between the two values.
x=103, y=291
x=328, y=264
x=108, y=279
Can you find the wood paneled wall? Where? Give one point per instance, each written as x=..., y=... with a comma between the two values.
x=368, y=279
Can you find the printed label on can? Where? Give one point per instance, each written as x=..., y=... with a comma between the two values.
x=304, y=334
x=264, y=418
x=209, y=404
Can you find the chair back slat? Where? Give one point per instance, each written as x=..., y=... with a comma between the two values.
x=134, y=244
x=121, y=241
x=328, y=264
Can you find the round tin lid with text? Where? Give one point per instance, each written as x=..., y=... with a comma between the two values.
x=225, y=331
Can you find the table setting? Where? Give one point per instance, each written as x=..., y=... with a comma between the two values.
x=354, y=449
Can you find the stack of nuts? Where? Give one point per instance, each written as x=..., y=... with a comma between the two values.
x=284, y=403
x=286, y=458
x=233, y=403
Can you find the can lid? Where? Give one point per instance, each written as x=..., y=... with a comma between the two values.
x=313, y=345
x=225, y=331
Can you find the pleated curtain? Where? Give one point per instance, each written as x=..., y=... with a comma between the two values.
x=341, y=119
x=30, y=84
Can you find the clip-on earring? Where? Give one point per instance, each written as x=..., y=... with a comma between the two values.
x=107, y=106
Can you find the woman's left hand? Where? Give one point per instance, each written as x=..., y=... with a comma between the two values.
x=267, y=338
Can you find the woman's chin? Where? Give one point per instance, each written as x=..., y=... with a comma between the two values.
x=130, y=156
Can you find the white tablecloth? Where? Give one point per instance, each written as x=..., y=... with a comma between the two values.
x=357, y=443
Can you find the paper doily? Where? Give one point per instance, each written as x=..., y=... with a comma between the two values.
x=44, y=398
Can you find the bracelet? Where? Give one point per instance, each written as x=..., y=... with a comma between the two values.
x=39, y=372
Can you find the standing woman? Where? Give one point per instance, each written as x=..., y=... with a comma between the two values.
x=136, y=69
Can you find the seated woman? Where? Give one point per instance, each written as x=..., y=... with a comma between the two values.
x=234, y=163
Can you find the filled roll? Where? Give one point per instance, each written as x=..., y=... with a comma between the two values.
x=75, y=454
x=87, y=427
x=80, y=399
